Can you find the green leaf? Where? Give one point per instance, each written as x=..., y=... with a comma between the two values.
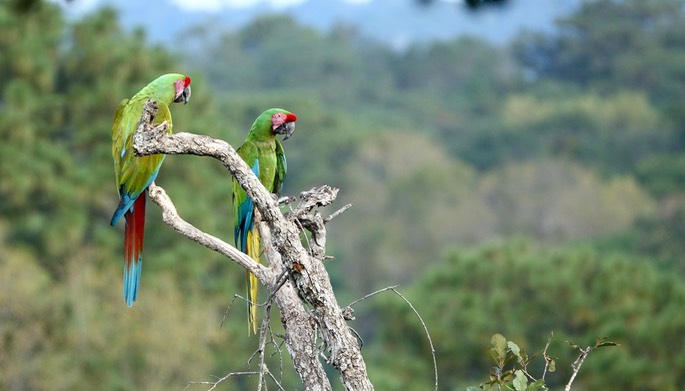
x=600, y=342
x=520, y=381
x=499, y=344
x=537, y=385
x=573, y=345
x=516, y=350
x=552, y=365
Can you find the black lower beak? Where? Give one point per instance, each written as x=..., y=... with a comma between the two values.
x=287, y=129
x=184, y=97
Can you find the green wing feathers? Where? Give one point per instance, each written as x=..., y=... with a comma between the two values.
x=246, y=234
x=133, y=174
x=281, y=168
x=265, y=156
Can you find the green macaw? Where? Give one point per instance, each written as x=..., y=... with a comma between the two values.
x=135, y=173
x=264, y=154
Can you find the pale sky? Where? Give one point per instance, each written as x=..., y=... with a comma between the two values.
x=78, y=7
x=215, y=5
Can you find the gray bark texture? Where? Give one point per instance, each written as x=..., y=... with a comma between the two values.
x=295, y=277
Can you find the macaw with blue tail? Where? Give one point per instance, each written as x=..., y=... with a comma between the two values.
x=135, y=173
x=264, y=154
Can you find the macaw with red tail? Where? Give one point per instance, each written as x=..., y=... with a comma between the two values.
x=264, y=154
x=135, y=173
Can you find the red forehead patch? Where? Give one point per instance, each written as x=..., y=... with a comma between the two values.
x=290, y=118
x=186, y=82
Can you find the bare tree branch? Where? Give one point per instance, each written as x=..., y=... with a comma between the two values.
x=172, y=219
x=299, y=325
x=308, y=277
x=337, y=213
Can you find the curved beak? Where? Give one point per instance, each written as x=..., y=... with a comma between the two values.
x=184, y=96
x=286, y=128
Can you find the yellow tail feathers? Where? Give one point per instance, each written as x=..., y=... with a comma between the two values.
x=254, y=252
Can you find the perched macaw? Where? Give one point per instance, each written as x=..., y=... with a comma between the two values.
x=135, y=173
x=264, y=154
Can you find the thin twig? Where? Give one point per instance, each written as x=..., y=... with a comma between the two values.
x=524, y=369
x=577, y=364
x=373, y=294
x=359, y=337
x=228, y=309
x=425, y=328
x=280, y=280
x=262, y=343
x=278, y=384
x=277, y=350
x=306, y=239
x=546, y=356
x=214, y=384
x=336, y=213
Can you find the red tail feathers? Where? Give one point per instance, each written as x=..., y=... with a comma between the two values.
x=133, y=248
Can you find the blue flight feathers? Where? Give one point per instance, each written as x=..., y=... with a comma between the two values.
x=246, y=214
x=126, y=201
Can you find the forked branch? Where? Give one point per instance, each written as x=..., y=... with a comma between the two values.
x=308, y=278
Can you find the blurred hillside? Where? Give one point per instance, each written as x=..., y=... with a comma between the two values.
x=382, y=20
x=521, y=189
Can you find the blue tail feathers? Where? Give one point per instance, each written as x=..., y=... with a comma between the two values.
x=132, y=280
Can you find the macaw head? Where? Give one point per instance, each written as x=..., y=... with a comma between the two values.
x=272, y=122
x=170, y=87
x=283, y=122
x=182, y=90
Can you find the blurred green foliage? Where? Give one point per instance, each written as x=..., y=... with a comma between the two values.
x=525, y=292
x=565, y=150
